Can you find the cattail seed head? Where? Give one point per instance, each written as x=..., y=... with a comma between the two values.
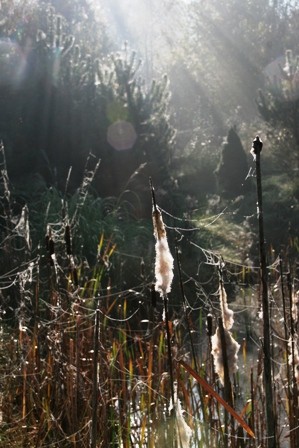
x=227, y=314
x=184, y=430
x=164, y=259
x=232, y=348
x=159, y=227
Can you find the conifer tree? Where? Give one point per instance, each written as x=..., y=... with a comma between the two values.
x=233, y=166
x=72, y=100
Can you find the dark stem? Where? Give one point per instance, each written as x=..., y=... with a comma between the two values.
x=169, y=352
x=227, y=391
x=94, y=419
x=270, y=417
x=153, y=195
x=170, y=365
x=252, y=395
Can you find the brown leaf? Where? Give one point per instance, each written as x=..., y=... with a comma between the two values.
x=212, y=392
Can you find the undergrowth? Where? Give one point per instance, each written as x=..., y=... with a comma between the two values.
x=89, y=358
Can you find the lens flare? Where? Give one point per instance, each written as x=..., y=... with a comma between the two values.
x=121, y=135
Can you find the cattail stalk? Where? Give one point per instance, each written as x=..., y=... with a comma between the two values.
x=270, y=417
x=94, y=419
x=200, y=394
x=228, y=396
x=227, y=314
x=252, y=396
x=164, y=276
x=294, y=361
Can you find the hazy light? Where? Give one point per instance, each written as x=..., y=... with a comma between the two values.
x=12, y=62
x=273, y=71
x=121, y=135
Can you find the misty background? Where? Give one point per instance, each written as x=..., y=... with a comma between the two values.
x=173, y=90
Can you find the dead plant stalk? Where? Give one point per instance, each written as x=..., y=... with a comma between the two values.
x=268, y=384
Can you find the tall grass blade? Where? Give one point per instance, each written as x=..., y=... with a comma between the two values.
x=93, y=443
x=214, y=394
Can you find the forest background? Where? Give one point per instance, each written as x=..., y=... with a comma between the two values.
x=96, y=98
x=156, y=88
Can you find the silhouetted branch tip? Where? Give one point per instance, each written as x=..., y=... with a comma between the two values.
x=153, y=195
x=257, y=146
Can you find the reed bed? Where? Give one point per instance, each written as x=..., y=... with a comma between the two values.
x=84, y=363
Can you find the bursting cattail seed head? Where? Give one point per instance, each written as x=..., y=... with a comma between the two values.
x=164, y=259
x=184, y=430
x=227, y=314
x=232, y=348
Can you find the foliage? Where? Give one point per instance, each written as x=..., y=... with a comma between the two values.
x=218, y=67
x=233, y=41
x=68, y=102
x=233, y=166
x=281, y=211
x=278, y=105
x=89, y=356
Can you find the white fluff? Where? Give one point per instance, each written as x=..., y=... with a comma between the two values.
x=295, y=304
x=227, y=314
x=184, y=431
x=163, y=267
x=294, y=356
x=232, y=348
x=164, y=259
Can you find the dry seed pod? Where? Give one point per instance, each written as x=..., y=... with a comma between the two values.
x=227, y=314
x=164, y=259
x=163, y=267
x=232, y=348
x=184, y=430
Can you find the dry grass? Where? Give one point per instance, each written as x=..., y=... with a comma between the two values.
x=85, y=363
